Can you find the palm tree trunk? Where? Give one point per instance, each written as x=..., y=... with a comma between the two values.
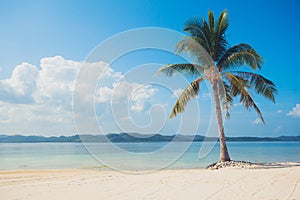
x=224, y=156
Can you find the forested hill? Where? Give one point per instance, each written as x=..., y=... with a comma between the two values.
x=125, y=137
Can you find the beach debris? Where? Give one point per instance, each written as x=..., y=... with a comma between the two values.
x=233, y=164
x=248, y=165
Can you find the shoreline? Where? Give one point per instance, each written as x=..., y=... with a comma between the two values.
x=226, y=183
x=258, y=165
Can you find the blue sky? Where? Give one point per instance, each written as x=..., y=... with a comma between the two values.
x=36, y=31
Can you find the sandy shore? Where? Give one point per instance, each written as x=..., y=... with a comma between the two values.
x=274, y=183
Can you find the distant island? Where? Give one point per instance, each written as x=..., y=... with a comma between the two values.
x=134, y=137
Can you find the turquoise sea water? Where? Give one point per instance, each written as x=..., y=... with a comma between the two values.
x=75, y=156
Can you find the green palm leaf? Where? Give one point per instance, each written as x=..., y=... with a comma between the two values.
x=198, y=30
x=189, y=45
x=211, y=20
x=239, y=55
x=260, y=84
x=223, y=23
x=227, y=102
x=225, y=96
x=190, y=92
x=185, y=68
x=238, y=87
x=220, y=40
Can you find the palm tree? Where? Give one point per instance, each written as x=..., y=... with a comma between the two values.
x=218, y=63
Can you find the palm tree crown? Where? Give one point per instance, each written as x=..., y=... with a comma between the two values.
x=218, y=63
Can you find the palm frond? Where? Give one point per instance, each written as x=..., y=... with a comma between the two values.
x=211, y=20
x=228, y=103
x=190, y=92
x=184, y=68
x=196, y=28
x=222, y=23
x=220, y=39
x=225, y=97
x=191, y=46
x=260, y=84
x=238, y=87
x=239, y=55
x=211, y=36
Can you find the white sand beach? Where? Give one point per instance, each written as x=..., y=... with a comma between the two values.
x=231, y=183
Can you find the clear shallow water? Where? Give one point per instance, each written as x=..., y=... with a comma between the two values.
x=75, y=156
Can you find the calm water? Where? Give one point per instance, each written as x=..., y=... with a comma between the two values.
x=74, y=155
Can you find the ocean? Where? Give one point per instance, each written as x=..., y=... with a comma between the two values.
x=137, y=156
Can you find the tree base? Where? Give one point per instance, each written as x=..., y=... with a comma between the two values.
x=232, y=164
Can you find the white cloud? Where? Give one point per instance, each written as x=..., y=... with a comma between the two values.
x=20, y=86
x=139, y=96
x=104, y=94
x=53, y=84
x=237, y=104
x=38, y=101
x=257, y=121
x=125, y=92
x=295, y=112
x=177, y=92
x=55, y=81
x=279, y=111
